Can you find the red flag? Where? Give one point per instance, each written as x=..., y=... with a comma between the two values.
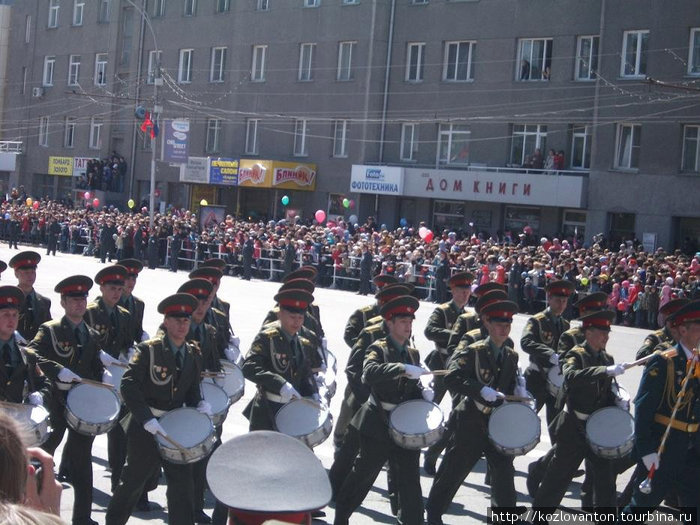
x=147, y=123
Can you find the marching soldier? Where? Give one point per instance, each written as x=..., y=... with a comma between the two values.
x=69, y=350
x=309, y=273
x=589, y=374
x=36, y=309
x=358, y=319
x=391, y=371
x=163, y=375
x=469, y=321
x=482, y=373
x=479, y=333
x=594, y=302
x=215, y=316
x=663, y=335
x=280, y=362
x=217, y=302
x=128, y=300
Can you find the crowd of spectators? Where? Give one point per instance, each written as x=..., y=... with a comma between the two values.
x=349, y=255
x=107, y=174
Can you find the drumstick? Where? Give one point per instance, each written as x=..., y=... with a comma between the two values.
x=97, y=383
x=671, y=352
x=435, y=372
x=217, y=375
x=172, y=442
x=120, y=364
x=519, y=399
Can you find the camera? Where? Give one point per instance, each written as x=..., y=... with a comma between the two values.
x=38, y=472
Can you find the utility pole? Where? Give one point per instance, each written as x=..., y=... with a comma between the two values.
x=157, y=110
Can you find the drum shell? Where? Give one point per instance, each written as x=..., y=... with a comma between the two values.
x=609, y=452
x=311, y=437
x=218, y=416
x=529, y=415
x=190, y=454
x=35, y=420
x=414, y=441
x=88, y=428
x=555, y=380
x=234, y=394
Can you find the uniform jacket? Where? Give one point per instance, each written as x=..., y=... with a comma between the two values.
x=218, y=320
x=310, y=320
x=206, y=351
x=113, y=339
x=439, y=327
x=541, y=337
x=653, y=340
x=31, y=318
x=354, y=369
x=24, y=379
x=587, y=385
x=357, y=321
x=136, y=309
x=466, y=322
x=569, y=339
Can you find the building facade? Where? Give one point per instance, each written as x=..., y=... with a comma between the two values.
x=410, y=109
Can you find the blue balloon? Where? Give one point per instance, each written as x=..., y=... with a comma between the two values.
x=403, y=222
x=7, y=216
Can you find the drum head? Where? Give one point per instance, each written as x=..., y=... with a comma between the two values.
x=610, y=427
x=233, y=381
x=26, y=414
x=186, y=426
x=215, y=396
x=514, y=425
x=416, y=417
x=92, y=403
x=555, y=376
x=300, y=417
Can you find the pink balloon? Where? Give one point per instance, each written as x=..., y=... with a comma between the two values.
x=86, y=195
x=35, y=205
x=320, y=216
x=428, y=236
x=95, y=202
x=144, y=209
x=422, y=232
x=352, y=203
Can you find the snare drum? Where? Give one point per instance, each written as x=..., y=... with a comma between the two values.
x=35, y=420
x=514, y=429
x=610, y=432
x=555, y=380
x=92, y=410
x=233, y=381
x=219, y=401
x=305, y=420
x=191, y=429
x=416, y=424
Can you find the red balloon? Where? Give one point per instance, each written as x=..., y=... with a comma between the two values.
x=428, y=236
x=95, y=202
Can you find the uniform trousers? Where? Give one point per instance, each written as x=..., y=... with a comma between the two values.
x=116, y=450
x=536, y=384
x=348, y=408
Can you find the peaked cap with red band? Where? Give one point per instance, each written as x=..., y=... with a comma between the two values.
x=461, y=279
x=305, y=272
x=178, y=305
x=210, y=273
x=133, y=266
x=403, y=306
x=490, y=297
x=115, y=274
x=487, y=287
x=380, y=281
x=673, y=306
x=392, y=291
x=561, y=288
x=601, y=320
x=294, y=300
x=298, y=284
x=690, y=313
x=11, y=297
x=592, y=303
x=27, y=260
x=214, y=262
x=74, y=286
x=200, y=288
x=500, y=311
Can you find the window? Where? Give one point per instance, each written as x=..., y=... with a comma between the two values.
x=526, y=139
x=49, y=66
x=213, y=135
x=184, y=70
x=458, y=61
x=414, y=61
x=312, y=3
x=103, y=13
x=218, y=64
x=190, y=7
x=694, y=52
x=340, y=138
x=251, y=136
x=95, y=133
x=78, y=10
x=158, y=8
x=573, y=223
x=223, y=6
x=587, y=57
x=581, y=147
x=351, y=2
x=627, y=148
x=454, y=144
x=23, y=86
x=44, y=131
x=69, y=133
x=53, y=13
x=153, y=65
x=101, y=69
x=263, y=5
x=634, y=54
x=28, y=29
x=300, y=137
x=306, y=56
x=535, y=59
x=419, y=2
x=691, y=148
x=409, y=141
x=257, y=71
x=345, y=60
x=74, y=70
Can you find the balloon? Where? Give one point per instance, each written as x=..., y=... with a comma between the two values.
x=203, y=202
x=7, y=216
x=95, y=202
x=285, y=200
x=35, y=205
x=130, y=203
x=403, y=222
x=422, y=232
x=144, y=210
x=29, y=201
x=346, y=203
x=86, y=195
x=428, y=236
x=352, y=219
x=352, y=203
x=320, y=215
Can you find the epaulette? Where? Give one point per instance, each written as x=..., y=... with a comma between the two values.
x=367, y=308
x=479, y=344
x=578, y=349
x=218, y=312
x=123, y=310
x=374, y=320
x=474, y=334
x=271, y=331
x=53, y=323
x=444, y=306
x=304, y=340
x=539, y=316
x=376, y=327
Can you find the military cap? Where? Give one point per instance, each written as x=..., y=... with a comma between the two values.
x=560, y=287
x=214, y=262
x=673, y=306
x=490, y=297
x=602, y=320
x=266, y=472
x=133, y=266
x=27, y=260
x=295, y=301
x=3, y=266
x=298, y=284
x=461, y=279
x=115, y=274
x=74, y=286
x=689, y=313
x=11, y=297
x=402, y=306
x=178, y=305
x=210, y=273
x=391, y=291
x=305, y=272
x=592, y=303
x=487, y=287
x=500, y=311
x=200, y=288
x=380, y=281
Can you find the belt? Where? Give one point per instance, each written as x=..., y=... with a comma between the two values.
x=582, y=416
x=483, y=408
x=157, y=412
x=676, y=424
x=384, y=405
x=273, y=397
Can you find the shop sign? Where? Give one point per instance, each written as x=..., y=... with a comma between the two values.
x=254, y=173
x=196, y=170
x=62, y=166
x=176, y=141
x=378, y=180
x=80, y=166
x=294, y=176
x=223, y=171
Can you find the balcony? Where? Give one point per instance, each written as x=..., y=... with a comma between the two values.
x=11, y=146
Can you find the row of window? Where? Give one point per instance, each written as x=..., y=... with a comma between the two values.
x=453, y=142
x=74, y=64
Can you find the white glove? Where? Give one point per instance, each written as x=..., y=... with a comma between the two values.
x=288, y=392
x=520, y=380
x=154, y=427
x=66, y=375
x=624, y=404
x=651, y=459
x=107, y=377
x=615, y=370
x=19, y=339
x=428, y=394
x=107, y=359
x=130, y=352
x=489, y=394
x=521, y=391
x=554, y=359
x=231, y=354
x=320, y=398
x=413, y=371
x=36, y=399
x=145, y=336
x=324, y=343
x=234, y=340
x=205, y=408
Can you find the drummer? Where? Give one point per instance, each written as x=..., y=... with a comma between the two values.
x=163, y=375
x=68, y=350
x=280, y=362
x=664, y=335
x=36, y=309
x=589, y=373
x=358, y=319
x=470, y=320
x=216, y=317
x=391, y=371
x=483, y=373
x=594, y=302
x=128, y=300
x=218, y=302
